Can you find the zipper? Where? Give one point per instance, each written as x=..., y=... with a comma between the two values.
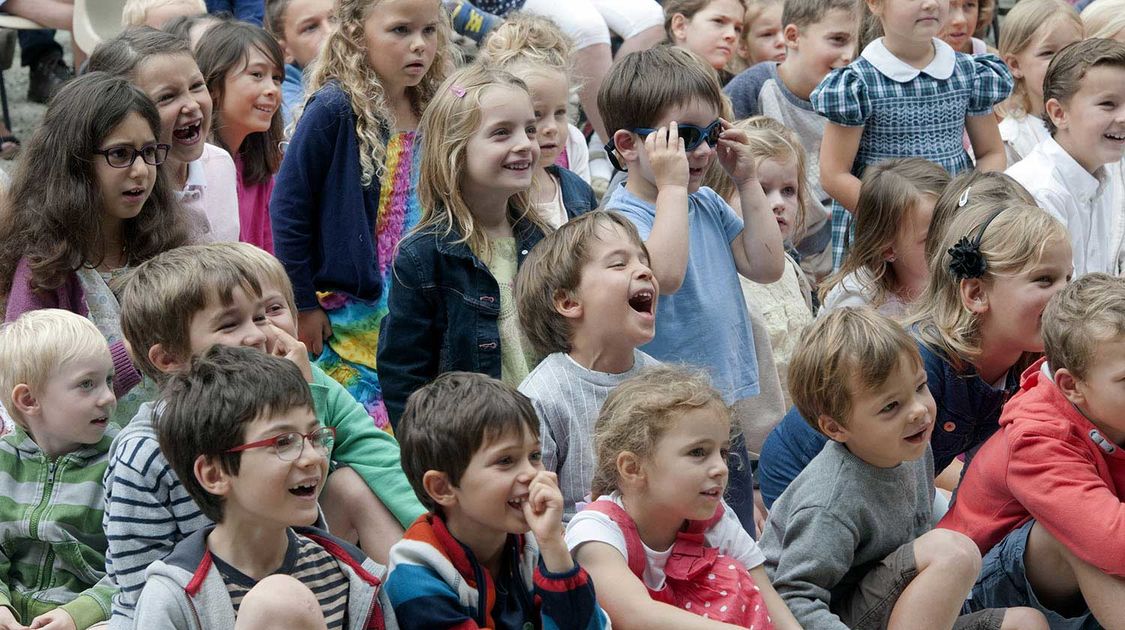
x=45, y=571
x=194, y=612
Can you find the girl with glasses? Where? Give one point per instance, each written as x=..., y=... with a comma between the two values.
x=89, y=200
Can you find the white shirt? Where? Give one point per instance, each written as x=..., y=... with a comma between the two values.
x=1020, y=135
x=211, y=192
x=577, y=153
x=856, y=289
x=1085, y=203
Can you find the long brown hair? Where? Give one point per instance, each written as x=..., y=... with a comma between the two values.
x=52, y=213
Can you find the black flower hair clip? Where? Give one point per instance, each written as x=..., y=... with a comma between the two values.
x=965, y=258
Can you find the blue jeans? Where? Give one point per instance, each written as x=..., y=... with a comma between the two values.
x=246, y=10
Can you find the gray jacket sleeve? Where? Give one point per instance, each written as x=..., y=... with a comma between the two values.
x=817, y=550
x=164, y=604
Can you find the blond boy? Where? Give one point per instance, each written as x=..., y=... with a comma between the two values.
x=155, y=13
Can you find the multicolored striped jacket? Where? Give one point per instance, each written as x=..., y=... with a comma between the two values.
x=52, y=545
x=435, y=582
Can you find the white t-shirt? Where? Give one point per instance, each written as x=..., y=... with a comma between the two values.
x=855, y=290
x=727, y=536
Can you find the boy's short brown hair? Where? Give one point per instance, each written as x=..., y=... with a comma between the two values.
x=447, y=421
x=161, y=296
x=845, y=346
x=1067, y=69
x=1087, y=312
x=641, y=86
x=554, y=267
x=805, y=13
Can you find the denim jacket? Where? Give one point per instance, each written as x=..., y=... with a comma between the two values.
x=577, y=196
x=444, y=309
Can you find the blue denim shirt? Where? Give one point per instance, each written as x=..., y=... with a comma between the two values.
x=444, y=309
x=577, y=196
x=968, y=413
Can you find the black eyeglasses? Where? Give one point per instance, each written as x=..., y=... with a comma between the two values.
x=123, y=157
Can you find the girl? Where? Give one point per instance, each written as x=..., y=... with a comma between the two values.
x=560, y=194
x=960, y=26
x=347, y=192
x=86, y=203
x=1034, y=30
x=985, y=187
x=907, y=95
x=201, y=174
x=711, y=29
x=1104, y=18
x=660, y=467
x=886, y=266
x=762, y=37
x=243, y=68
x=451, y=305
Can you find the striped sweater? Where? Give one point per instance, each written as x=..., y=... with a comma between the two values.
x=436, y=582
x=52, y=547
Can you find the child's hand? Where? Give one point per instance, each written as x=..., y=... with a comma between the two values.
x=734, y=155
x=543, y=511
x=313, y=328
x=667, y=157
x=57, y=619
x=8, y=620
x=282, y=344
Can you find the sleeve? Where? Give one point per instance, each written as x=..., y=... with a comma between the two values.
x=842, y=98
x=578, y=154
x=295, y=201
x=730, y=222
x=733, y=539
x=567, y=600
x=92, y=605
x=421, y=600
x=5, y=593
x=411, y=336
x=590, y=526
x=992, y=83
x=641, y=220
x=162, y=604
x=743, y=90
x=371, y=452
x=817, y=550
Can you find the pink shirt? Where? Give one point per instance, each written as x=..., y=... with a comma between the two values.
x=254, y=210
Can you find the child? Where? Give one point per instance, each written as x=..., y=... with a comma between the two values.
x=908, y=95
x=819, y=36
x=761, y=38
x=347, y=191
x=587, y=301
x=194, y=27
x=886, y=267
x=660, y=445
x=976, y=325
x=984, y=21
x=490, y=553
x=1034, y=30
x=86, y=203
x=1105, y=19
x=1069, y=173
x=984, y=188
x=849, y=544
x=174, y=308
x=202, y=175
x=155, y=13
x=301, y=27
x=1042, y=497
x=960, y=25
x=711, y=29
x=56, y=380
x=242, y=65
x=560, y=194
x=451, y=304
x=239, y=429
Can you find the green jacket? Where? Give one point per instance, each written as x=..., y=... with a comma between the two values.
x=52, y=545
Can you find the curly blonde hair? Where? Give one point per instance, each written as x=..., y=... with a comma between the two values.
x=529, y=38
x=344, y=59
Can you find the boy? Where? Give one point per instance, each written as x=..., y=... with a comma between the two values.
x=849, y=543
x=587, y=299
x=1084, y=99
x=239, y=429
x=471, y=451
x=301, y=27
x=1044, y=498
x=174, y=307
x=820, y=36
x=155, y=13
x=56, y=381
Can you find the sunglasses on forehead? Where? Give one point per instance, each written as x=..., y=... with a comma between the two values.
x=692, y=135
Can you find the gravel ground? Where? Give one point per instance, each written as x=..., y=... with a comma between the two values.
x=25, y=114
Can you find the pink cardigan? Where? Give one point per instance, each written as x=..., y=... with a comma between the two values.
x=70, y=297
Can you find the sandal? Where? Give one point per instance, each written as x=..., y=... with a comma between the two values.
x=9, y=147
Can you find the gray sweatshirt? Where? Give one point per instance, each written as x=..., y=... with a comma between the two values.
x=839, y=517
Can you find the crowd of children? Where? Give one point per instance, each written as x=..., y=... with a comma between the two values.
x=312, y=323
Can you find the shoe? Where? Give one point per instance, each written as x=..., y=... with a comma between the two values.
x=48, y=74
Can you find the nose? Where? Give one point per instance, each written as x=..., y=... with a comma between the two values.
x=310, y=455
x=848, y=56
x=418, y=42
x=139, y=168
x=107, y=398
x=776, y=201
x=730, y=33
x=718, y=468
x=253, y=335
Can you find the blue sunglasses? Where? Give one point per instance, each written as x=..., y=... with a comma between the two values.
x=692, y=136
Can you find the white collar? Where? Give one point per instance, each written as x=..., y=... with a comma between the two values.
x=940, y=67
x=1078, y=179
x=196, y=175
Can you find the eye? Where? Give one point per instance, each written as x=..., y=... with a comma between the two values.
x=698, y=451
x=310, y=28
x=86, y=384
x=504, y=461
x=560, y=113
x=531, y=130
x=724, y=453
x=430, y=30
x=536, y=456
x=109, y=381
x=275, y=308
x=921, y=387
x=164, y=98
x=119, y=153
x=400, y=30
x=501, y=131
x=889, y=407
x=789, y=191
x=285, y=441
x=617, y=263
x=257, y=74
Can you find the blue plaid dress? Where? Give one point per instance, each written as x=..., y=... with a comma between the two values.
x=906, y=112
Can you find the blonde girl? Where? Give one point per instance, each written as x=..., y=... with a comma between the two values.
x=451, y=304
x=886, y=266
x=984, y=187
x=660, y=448
x=762, y=38
x=1034, y=30
x=711, y=29
x=517, y=46
x=908, y=94
x=347, y=191
x=1103, y=18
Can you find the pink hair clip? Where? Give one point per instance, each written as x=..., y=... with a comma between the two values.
x=457, y=90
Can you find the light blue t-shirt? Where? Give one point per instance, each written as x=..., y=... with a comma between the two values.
x=705, y=322
x=292, y=93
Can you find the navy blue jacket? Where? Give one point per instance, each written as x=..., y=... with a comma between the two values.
x=968, y=413
x=577, y=196
x=323, y=219
x=444, y=309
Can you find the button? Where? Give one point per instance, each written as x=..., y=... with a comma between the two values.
x=487, y=298
x=949, y=426
x=523, y=252
x=488, y=346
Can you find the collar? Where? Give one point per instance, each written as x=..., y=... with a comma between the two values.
x=1080, y=182
x=196, y=182
x=22, y=441
x=940, y=67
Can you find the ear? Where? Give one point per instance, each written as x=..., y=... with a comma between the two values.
x=791, y=33
x=875, y=7
x=211, y=475
x=973, y=296
x=889, y=254
x=165, y=361
x=629, y=469
x=1068, y=384
x=285, y=51
x=1013, y=64
x=567, y=304
x=1057, y=113
x=628, y=145
x=678, y=28
x=834, y=430
x=24, y=400
x=436, y=484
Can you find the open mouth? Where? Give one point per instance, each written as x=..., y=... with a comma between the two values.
x=266, y=109
x=517, y=503
x=919, y=437
x=548, y=147
x=101, y=422
x=643, y=301
x=304, y=490
x=134, y=194
x=188, y=134
x=519, y=167
x=416, y=66
x=714, y=493
x=695, y=172
x=1116, y=137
